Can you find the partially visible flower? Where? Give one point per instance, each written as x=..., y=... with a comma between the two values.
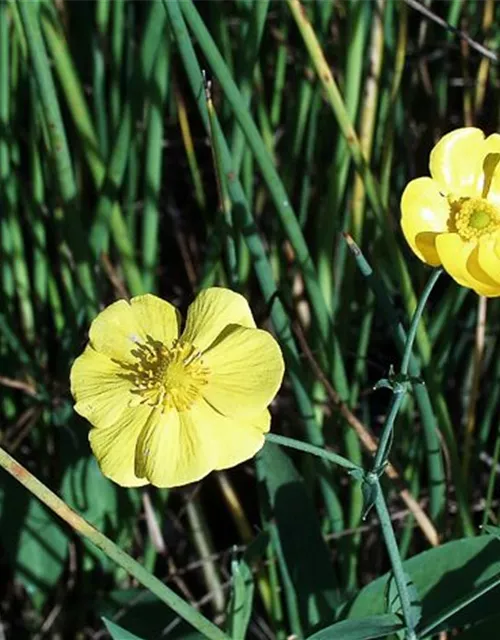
x=168, y=410
x=453, y=218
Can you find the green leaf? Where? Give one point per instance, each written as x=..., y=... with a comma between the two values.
x=494, y=531
x=86, y=490
x=443, y=576
x=33, y=539
x=394, y=602
x=240, y=604
x=142, y=613
x=119, y=633
x=363, y=629
x=302, y=553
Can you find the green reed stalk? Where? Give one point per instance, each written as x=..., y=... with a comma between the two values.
x=154, y=164
x=372, y=189
x=246, y=223
x=270, y=175
x=29, y=13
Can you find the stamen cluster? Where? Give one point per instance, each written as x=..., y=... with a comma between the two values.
x=167, y=377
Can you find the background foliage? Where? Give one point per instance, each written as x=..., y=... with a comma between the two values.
x=116, y=179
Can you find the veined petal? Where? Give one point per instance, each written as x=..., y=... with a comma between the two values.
x=157, y=318
x=119, y=327
x=115, y=446
x=488, y=258
x=456, y=162
x=175, y=450
x=459, y=258
x=491, y=168
x=240, y=438
x=211, y=312
x=115, y=331
x=246, y=371
x=232, y=440
x=99, y=388
x=424, y=213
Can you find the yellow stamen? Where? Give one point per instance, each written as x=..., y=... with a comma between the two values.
x=167, y=377
x=474, y=217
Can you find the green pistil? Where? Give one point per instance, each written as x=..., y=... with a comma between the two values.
x=479, y=220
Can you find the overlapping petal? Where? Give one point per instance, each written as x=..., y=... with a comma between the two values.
x=115, y=331
x=460, y=260
x=456, y=162
x=490, y=183
x=488, y=259
x=176, y=449
x=211, y=312
x=242, y=438
x=425, y=213
x=233, y=440
x=99, y=388
x=115, y=446
x=157, y=318
x=122, y=325
x=246, y=370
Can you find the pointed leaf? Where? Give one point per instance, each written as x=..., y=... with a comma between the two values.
x=394, y=602
x=363, y=629
x=33, y=539
x=443, y=576
x=119, y=633
x=240, y=603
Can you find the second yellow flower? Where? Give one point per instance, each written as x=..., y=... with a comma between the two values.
x=453, y=217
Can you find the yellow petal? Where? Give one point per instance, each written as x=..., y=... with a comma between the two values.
x=424, y=213
x=211, y=312
x=459, y=258
x=173, y=450
x=491, y=162
x=246, y=370
x=488, y=259
x=240, y=439
x=157, y=318
x=118, y=328
x=115, y=331
x=115, y=446
x=99, y=388
x=456, y=162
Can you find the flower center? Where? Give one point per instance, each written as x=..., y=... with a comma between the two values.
x=168, y=377
x=474, y=217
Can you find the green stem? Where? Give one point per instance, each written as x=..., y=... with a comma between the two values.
x=410, y=339
x=372, y=478
x=315, y=451
x=395, y=558
x=372, y=189
x=265, y=162
x=400, y=390
x=82, y=527
x=29, y=13
x=224, y=200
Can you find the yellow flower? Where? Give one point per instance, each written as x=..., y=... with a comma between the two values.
x=453, y=218
x=168, y=410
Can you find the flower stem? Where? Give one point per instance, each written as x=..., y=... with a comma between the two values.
x=395, y=558
x=81, y=526
x=315, y=451
x=410, y=339
x=400, y=391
